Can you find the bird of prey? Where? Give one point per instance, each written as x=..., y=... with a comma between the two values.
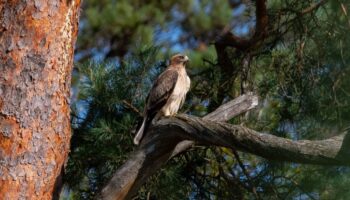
x=167, y=95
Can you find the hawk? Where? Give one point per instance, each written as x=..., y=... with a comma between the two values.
x=167, y=95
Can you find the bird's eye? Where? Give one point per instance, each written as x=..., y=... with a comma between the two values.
x=182, y=57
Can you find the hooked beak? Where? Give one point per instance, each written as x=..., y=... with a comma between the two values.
x=186, y=60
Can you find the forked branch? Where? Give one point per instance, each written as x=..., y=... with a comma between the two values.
x=171, y=136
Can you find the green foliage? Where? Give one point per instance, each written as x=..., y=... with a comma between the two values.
x=112, y=28
x=300, y=73
x=102, y=135
x=172, y=181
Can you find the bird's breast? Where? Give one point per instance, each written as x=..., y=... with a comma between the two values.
x=178, y=95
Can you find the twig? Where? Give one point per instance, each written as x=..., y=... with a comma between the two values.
x=208, y=61
x=240, y=163
x=313, y=7
x=343, y=8
x=133, y=108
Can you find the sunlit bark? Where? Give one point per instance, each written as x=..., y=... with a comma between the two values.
x=36, y=58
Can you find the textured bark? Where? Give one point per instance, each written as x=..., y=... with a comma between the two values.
x=331, y=151
x=171, y=136
x=36, y=57
x=157, y=147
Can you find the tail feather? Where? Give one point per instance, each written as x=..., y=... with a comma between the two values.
x=139, y=133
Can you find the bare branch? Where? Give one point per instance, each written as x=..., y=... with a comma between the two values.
x=224, y=113
x=233, y=108
x=229, y=39
x=332, y=151
x=173, y=135
x=163, y=138
x=137, y=169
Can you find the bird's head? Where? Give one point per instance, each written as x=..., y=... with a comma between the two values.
x=179, y=59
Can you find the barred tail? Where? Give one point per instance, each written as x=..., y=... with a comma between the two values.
x=139, y=134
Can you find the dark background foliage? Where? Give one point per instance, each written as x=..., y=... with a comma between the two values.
x=299, y=70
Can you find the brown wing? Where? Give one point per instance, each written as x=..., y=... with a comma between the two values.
x=161, y=90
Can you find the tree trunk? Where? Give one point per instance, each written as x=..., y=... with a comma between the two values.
x=36, y=57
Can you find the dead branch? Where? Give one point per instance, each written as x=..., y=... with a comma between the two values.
x=141, y=164
x=162, y=140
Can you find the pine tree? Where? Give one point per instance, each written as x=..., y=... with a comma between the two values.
x=299, y=70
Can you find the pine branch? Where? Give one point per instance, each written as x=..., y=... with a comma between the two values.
x=162, y=139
